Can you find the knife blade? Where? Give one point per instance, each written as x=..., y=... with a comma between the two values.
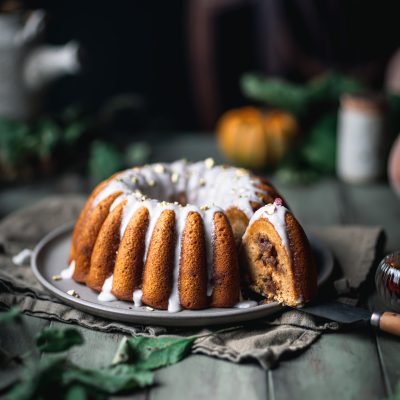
x=347, y=314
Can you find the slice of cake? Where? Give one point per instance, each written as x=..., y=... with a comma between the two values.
x=277, y=259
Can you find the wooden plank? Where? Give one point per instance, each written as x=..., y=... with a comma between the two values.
x=377, y=205
x=374, y=205
x=388, y=351
x=338, y=366
x=18, y=338
x=316, y=204
x=201, y=377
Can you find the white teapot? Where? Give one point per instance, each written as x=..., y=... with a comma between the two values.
x=27, y=66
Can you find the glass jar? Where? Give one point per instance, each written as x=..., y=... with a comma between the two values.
x=387, y=280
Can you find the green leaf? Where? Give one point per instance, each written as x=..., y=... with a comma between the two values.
x=53, y=378
x=319, y=150
x=77, y=392
x=48, y=136
x=39, y=380
x=74, y=130
x=276, y=92
x=104, y=160
x=112, y=380
x=9, y=315
x=138, y=153
x=298, y=98
x=151, y=353
x=52, y=340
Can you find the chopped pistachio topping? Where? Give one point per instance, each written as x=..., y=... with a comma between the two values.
x=159, y=168
x=270, y=208
x=209, y=162
x=242, y=172
x=138, y=194
x=72, y=292
x=174, y=177
x=56, y=277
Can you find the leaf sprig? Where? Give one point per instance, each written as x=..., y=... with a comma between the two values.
x=131, y=369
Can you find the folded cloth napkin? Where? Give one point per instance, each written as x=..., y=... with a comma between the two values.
x=265, y=341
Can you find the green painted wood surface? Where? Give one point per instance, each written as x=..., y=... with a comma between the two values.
x=357, y=364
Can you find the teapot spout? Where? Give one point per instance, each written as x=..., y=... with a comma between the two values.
x=47, y=63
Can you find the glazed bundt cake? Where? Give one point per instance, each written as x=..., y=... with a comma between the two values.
x=277, y=257
x=167, y=235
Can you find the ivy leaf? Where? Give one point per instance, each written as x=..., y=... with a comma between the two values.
x=39, y=380
x=56, y=378
x=78, y=392
x=319, y=150
x=104, y=160
x=298, y=98
x=9, y=315
x=137, y=153
x=151, y=353
x=112, y=380
x=52, y=340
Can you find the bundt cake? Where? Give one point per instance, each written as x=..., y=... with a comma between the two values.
x=168, y=235
x=276, y=255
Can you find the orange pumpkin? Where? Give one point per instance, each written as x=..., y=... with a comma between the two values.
x=252, y=138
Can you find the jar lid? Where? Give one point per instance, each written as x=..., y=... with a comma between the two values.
x=370, y=103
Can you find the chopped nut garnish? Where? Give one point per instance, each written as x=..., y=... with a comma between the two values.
x=72, y=292
x=138, y=194
x=209, y=162
x=56, y=277
x=174, y=177
x=159, y=168
x=151, y=182
x=205, y=207
x=134, y=179
x=202, y=182
x=241, y=172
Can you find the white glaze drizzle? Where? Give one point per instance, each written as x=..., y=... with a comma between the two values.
x=181, y=215
x=246, y=304
x=226, y=186
x=22, y=257
x=137, y=297
x=105, y=294
x=275, y=214
x=68, y=272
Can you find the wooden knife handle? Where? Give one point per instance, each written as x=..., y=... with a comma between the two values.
x=389, y=322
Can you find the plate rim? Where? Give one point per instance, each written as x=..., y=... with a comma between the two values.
x=162, y=317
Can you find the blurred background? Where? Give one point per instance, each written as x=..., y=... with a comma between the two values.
x=299, y=90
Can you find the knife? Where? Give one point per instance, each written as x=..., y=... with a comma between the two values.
x=346, y=314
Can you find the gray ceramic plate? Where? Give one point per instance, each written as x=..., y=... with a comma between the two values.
x=50, y=258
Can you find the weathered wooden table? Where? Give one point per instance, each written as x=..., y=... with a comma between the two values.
x=353, y=364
